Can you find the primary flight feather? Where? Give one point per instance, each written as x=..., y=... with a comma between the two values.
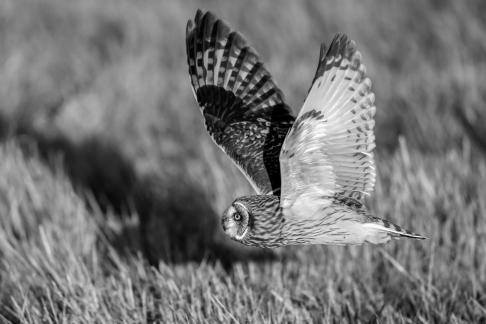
x=311, y=173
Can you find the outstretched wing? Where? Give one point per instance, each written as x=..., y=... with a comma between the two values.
x=329, y=150
x=244, y=110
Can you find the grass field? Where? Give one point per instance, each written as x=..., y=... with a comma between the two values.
x=111, y=191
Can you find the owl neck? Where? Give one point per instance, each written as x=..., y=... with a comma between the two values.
x=267, y=223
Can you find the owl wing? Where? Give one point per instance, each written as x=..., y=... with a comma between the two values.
x=329, y=150
x=243, y=109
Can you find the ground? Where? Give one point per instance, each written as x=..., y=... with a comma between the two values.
x=111, y=191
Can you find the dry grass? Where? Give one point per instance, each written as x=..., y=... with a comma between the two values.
x=110, y=189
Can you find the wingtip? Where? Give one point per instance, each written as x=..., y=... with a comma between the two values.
x=189, y=27
x=421, y=237
x=411, y=235
x=198, y=15
x=341, y=37
x=203, y=21
x=407, y=234
x=193, y=23
x=415, y=236
x=202, y=15
x=342, y=44
x=322, y=52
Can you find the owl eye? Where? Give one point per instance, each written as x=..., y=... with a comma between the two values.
x=240, y=214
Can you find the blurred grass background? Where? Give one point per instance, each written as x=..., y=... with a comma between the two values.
x=111, y=190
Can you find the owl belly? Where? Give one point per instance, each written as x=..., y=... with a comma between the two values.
x=331, y=223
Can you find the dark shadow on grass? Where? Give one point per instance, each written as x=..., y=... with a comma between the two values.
x=177, y=222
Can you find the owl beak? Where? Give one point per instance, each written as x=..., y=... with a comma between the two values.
x=225, y=220
x=224, y=223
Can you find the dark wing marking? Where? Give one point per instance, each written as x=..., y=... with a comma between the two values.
x=320, y=65
x=329, y=150
x=244, y=110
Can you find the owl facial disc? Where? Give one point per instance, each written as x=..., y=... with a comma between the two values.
x=235, y=221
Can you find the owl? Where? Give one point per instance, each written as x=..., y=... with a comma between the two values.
x=312, y=172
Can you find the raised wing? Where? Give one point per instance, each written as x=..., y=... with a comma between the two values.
x=329, y=150
x=244, y=110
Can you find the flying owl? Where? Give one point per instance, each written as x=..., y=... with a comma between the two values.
x=311, y=172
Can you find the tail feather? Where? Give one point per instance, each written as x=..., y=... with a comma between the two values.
x=381, y=231
x=340, y=223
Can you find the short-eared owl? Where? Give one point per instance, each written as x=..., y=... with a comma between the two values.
x=311, y=172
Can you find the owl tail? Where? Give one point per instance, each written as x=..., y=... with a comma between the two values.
x=379, y=231
x=340, y=224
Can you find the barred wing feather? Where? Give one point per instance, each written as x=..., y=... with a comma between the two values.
x=243, y=109
x=329, y=150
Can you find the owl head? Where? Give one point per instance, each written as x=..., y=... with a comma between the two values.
x=253, y=220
